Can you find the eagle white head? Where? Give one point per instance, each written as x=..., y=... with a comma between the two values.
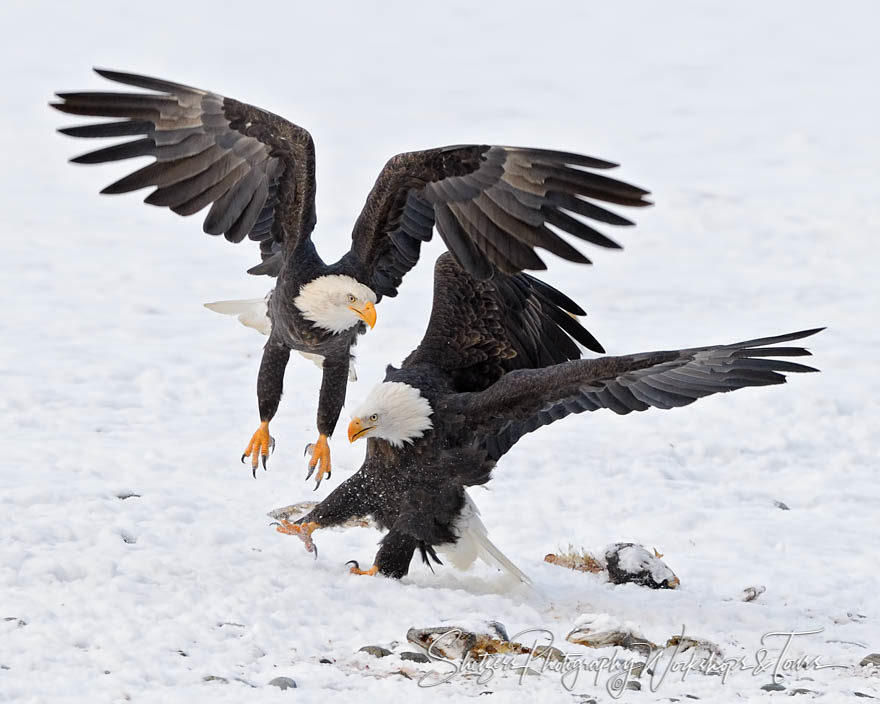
x=393, y=411
x=337, y=302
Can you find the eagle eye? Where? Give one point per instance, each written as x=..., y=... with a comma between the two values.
x=374, y=417
x=351, y=298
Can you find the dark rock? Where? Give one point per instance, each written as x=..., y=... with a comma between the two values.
x=128, y=495
x=802, y=690
x=872, y=660
x=862, y=694
x=325, y=661
x=214, y=678
x=415, y=657
x=375, y=650
x=631, y=563
x=779, y=504
x=773, y=687
x=282, y=683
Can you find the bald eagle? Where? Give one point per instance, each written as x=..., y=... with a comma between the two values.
x=493, y=207
x=464, y=397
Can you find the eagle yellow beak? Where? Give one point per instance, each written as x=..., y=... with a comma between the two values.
x=367, y=313
x=357, y=429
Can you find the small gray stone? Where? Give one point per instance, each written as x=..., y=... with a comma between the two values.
x=325, y=661
x=802, y=690
x=862, y=694
x=128, y=495
x=773, y=687
x=871, y=660
x=214, y=678
x=282, y=683
x=20, y=623
x=375, y=650
x=779, y=504
x=415, y=657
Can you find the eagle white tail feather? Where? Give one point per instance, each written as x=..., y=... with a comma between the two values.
x=473, y=543
x=251, y=312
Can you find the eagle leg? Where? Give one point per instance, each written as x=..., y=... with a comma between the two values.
x=320, y=452
x=356, y=569
x=303, y=531
x=261, y=445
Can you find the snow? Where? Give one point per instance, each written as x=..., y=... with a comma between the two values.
x=754, y=124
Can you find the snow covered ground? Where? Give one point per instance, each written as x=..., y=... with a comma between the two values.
x=754, y=124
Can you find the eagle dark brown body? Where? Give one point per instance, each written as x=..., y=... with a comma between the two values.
x=489, y=380
x=493, y=207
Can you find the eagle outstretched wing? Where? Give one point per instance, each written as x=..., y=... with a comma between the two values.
x=493, y=206
x=523, y=401
x=481, y=329
x=255, y=169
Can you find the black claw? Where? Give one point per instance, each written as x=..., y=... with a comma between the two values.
x=315, y=550
x=354, y=563
x=254, y=471
x=310, y=472
x=242, y=457
x=271, y=445
x=306, y=452
x=264, y=462
x=274, y=523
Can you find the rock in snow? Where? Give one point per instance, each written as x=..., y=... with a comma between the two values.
x=628, y=562
x=283, y=683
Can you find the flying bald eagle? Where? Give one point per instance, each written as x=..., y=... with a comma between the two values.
x=493, y=207
x=466, y=395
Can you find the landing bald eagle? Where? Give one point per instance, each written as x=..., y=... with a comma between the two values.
x=465, y=396
x=493, y=206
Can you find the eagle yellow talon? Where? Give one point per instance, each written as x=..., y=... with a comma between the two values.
x=356, y=569
x=261, y=445
x=320, y=460
x=303, y=531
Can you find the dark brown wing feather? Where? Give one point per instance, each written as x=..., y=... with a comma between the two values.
x=523, y=401
x=482, y=329
x=255, y=169
x=493, y=206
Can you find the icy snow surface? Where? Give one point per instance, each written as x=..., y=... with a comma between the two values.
x=755, y=126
